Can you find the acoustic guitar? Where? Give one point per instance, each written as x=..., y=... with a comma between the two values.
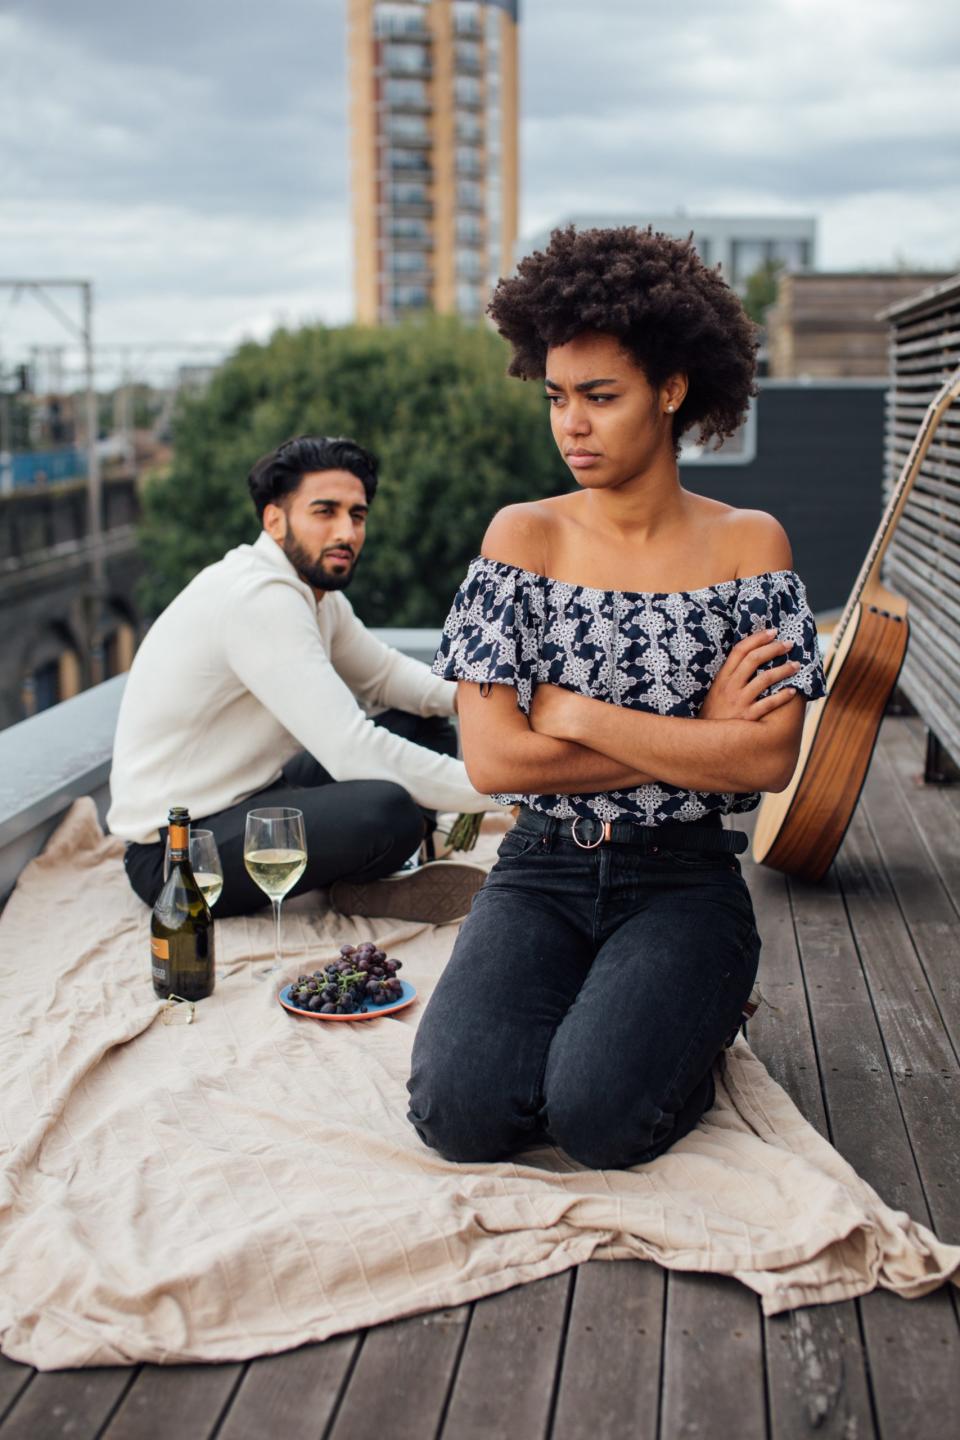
x=799, y=829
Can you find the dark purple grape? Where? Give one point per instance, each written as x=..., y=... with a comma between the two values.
x=329, y=1009
x=314, y=1003
x=347, y=949
x=379, y=956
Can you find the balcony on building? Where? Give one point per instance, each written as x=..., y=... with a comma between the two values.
x=407, y=159
x=467, y=92
x=397, y=21
x=467, y=19
x=405, y=60
x=407, y=130
x=409, y=232
x=410, y=265
x=406, y=93
x=470, y=196
x=409, y=198
x=468, y=58
x=470, y=230
x=410, y=297
x=469, y=128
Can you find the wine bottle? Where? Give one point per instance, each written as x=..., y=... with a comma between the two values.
x=181, y=927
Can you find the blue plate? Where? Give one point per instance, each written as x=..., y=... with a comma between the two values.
x=369, y=1011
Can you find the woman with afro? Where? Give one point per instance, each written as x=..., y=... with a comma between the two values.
x=633, y=661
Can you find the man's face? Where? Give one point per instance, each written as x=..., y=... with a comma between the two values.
x=321, y=527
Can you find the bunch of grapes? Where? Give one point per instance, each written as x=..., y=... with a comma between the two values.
x=362, y=975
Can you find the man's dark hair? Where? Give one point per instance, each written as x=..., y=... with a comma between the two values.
x=656, y=296
x=280, y=473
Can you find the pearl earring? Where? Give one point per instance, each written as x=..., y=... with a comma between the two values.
x=671, y=408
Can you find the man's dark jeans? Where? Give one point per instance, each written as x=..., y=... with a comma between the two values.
x=587, y=996
x=356, y=829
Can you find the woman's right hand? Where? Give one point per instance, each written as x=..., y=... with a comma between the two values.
x=737, y=689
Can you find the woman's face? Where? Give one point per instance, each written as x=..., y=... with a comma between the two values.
x=609, y=423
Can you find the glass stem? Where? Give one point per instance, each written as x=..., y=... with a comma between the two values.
x=276, y=917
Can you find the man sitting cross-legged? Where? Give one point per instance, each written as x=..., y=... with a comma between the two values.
x=258, y=686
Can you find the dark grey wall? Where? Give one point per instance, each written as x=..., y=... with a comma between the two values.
x=819, y=470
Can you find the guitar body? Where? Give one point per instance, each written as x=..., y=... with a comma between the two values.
x=799, y=830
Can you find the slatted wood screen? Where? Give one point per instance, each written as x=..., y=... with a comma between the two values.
x=923, y=559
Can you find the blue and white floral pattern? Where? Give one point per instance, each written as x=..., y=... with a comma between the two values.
x=654, y=651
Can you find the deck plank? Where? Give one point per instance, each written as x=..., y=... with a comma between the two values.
x=14, y=1379
x=924, y=1064
x=868, y=1128
x=928, y=807
x=403, y=1375
x=292, y=1396
x=182, y=1400
x=610, y=1377
x=713, y=1378
x=817, y=1382
x=505, y=1381
x=67, y=1404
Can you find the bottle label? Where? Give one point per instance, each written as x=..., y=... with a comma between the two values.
x=159, y=947
x=180, y=839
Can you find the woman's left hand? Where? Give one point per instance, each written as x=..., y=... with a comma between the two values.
x=558, y=712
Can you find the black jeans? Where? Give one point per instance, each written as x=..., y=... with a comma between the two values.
x=587, y=996
x=356, y=829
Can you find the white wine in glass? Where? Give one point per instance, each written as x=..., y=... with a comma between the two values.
x=275, y=854
x=204, y=862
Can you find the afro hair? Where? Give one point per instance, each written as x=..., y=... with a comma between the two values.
x=652, y=292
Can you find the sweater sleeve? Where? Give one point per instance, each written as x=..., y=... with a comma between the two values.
x=273, y=647
x=379, y=675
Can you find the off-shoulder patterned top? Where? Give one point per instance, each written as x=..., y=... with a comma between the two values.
x=656, y=651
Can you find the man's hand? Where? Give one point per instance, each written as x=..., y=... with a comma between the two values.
x=737, y=689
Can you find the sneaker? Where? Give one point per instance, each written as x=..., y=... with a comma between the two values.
x=439, y=892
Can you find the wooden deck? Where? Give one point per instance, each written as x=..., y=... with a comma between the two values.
x=865, y=972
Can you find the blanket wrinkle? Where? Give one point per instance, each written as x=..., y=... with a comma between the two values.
x=250, y=1183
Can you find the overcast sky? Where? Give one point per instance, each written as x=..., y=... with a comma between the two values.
x=191, y=156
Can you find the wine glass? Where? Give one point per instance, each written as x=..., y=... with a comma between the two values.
x=275, y=854
x=204, y=862
x=206, y=866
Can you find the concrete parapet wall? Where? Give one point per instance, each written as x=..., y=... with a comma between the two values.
x=49, y=761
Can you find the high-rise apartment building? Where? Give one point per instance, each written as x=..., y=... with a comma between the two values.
x=433, y=96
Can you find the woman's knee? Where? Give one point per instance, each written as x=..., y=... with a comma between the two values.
x=614, y=1137
x=456, y=1106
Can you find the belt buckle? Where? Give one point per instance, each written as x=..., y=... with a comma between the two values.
x=590, y=844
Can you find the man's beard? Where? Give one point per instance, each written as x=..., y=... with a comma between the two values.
x=314, y=572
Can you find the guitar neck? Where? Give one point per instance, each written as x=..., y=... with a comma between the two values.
x=870, y=569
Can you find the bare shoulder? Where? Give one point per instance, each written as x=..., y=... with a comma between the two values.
x=519, y=535
x=759, y=542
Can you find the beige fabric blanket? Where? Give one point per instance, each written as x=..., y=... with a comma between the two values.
x=250, y=1182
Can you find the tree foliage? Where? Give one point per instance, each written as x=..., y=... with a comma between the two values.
x=456, y=440
x=761, y=289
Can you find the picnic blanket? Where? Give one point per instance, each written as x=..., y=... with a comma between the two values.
x=250, y=1182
